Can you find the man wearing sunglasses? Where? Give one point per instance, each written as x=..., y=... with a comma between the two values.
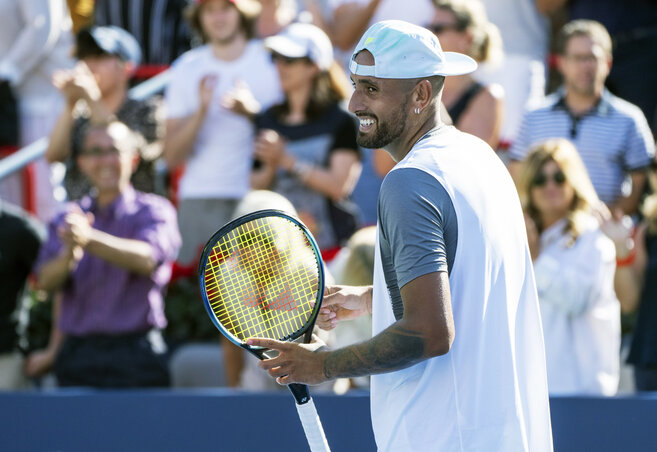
x=110, y=256
x=612, y=136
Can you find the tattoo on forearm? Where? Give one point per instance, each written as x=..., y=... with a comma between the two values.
x=394, y=348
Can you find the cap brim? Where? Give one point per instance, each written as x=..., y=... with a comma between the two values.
x=458, y=64
x=286, y=47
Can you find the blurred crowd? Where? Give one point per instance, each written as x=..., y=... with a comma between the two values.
x=255, y=115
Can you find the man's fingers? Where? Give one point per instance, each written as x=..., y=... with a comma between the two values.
x=267, y=343
x=284, y=380
x=269, y=364
x=326, y=319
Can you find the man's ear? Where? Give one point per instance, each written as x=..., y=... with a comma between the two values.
x=422, y=94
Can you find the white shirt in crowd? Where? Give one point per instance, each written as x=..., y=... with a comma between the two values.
x=580, y=311
x=220, y=164
x=489, y=392
x=35, y=41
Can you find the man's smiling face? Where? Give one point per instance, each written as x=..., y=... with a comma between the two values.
x=381, y=106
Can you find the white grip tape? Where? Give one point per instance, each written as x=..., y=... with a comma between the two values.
x=312, y=427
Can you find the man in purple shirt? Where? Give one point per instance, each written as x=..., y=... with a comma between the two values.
x=110, y=256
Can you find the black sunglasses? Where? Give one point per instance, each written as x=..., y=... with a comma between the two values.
x=541, y=179
x=287, y=60
x=439, y=28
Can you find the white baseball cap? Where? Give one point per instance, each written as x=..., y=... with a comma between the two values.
x=301, y=40
x=402, y=50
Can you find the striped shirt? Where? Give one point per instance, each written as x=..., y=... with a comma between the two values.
x=158, y=25
x=613, y=138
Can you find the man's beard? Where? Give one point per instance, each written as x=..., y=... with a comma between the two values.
x=386, y=132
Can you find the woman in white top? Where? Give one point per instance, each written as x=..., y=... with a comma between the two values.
x=574, y=264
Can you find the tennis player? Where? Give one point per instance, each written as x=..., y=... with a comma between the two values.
x=457, y=354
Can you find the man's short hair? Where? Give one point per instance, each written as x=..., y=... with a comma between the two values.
x=584, y=27
x=437, y=83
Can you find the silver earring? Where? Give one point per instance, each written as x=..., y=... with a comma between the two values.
x=417, y=110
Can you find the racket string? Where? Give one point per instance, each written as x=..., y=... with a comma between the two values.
x=259, y=288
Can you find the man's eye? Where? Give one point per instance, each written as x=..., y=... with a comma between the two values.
x=371, y=90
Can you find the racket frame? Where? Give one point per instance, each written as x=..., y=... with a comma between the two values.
x=299, y=391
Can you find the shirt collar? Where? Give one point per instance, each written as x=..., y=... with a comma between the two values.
x=113, y=209
x=602, y=108
x=553, y=233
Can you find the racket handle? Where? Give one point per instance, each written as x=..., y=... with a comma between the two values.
x=312, y=427
x=300, y=392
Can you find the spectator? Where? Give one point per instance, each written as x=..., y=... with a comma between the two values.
x=307, y=146
x=636, y=284
x=574, y=267
x=611, y=135
x=97, y=90
x=633, y=28
x=22, y=236
x=158, y=26
x=213, y=91
x=110, y=255
x=473, y=107
x=35, y=41
x=525, y=30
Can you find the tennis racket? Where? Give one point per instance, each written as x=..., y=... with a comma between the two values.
x=261, y=275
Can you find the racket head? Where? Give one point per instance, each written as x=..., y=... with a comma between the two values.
x=262, y=275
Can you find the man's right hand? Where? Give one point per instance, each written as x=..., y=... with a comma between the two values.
x=344, y=303
x=78, y=83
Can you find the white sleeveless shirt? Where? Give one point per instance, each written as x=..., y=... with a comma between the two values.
x=489, y=392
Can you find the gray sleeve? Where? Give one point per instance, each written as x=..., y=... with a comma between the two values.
x=418, y=221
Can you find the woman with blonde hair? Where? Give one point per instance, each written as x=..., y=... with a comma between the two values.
x=462, y=26
x=574, y=265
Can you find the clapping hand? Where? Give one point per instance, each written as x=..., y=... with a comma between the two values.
x=269, y=147
x=76, y=84
x=240, y=100
x=75, y=232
